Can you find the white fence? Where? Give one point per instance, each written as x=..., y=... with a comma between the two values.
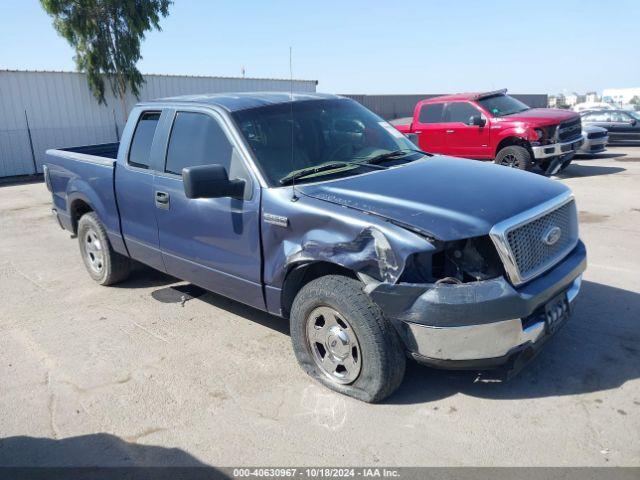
x=41, y=110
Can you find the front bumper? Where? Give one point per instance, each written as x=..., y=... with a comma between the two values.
x=594, y=145
x=557, y=149
x=479, y=324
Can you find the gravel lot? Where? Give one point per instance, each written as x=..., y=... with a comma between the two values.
x=131, y=375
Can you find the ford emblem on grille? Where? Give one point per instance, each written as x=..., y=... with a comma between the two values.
x=552, y=235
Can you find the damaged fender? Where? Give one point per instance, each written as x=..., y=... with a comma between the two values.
x=318, y=231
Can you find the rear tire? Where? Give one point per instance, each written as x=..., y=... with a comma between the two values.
x=514, y=156
x=104, y=265
x=342, y=340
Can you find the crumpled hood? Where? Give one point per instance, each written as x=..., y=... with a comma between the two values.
x=447, y=198
x=541, y=115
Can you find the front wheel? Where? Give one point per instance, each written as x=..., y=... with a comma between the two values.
x=342, y=340
x=514, y=156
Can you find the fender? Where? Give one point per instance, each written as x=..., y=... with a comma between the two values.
x=322, y=232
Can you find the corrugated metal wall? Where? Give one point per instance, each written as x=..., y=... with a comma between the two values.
x=61, y=111
x=398, y=106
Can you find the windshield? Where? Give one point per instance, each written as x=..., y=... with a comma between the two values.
x=501, y=105
x=634, y=114
x=325, y=133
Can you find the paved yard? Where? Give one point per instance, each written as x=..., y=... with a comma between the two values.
x=133, y=375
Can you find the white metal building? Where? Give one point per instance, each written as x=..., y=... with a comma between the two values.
x=41, y=110
x=620, y=96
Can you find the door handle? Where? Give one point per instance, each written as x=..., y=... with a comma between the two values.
x=450, y=131
x=162, y=199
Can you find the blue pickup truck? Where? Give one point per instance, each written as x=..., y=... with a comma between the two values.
x=312, y=208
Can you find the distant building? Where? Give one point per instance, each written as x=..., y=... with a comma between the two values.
x=557, y=101
x=620, y=96
x=591, y=97
x=571, y=99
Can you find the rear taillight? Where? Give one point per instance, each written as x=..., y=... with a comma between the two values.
x=47, y=178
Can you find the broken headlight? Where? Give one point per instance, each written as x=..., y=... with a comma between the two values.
x=462, y=261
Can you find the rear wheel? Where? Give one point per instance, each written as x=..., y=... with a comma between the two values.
x=342, y=340
x=514, y=156
x=104, y=265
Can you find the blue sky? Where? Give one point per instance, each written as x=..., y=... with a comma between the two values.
x=372, y=46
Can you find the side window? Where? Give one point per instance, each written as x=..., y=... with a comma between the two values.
x=461, y=112
x=197, y=139
x=602, y=116
x=431, y=113
x=140, y=151
x=620, y=117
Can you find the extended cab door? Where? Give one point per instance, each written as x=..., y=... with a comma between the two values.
x=463, y=139
x=212, y=242
x=134, y=186
x=427, y=124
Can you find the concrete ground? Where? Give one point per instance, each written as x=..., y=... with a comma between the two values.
x=133, y=375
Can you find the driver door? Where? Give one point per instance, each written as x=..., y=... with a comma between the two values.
x=212, y=242
x=464, y=139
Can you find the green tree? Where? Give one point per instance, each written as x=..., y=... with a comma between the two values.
x=635, y=100
x=106, y=35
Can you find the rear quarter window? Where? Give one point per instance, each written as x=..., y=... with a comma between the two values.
x=431, y=113
x=140, y=151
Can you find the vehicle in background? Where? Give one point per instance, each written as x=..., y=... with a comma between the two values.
x=495, y=126
x=583, y=107
x=595, y=140
x=314, y=209
x=623, y=125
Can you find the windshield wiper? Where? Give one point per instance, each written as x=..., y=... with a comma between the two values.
x=390, y=156
x=323, y=167
x=358, y=162
x=514, y=112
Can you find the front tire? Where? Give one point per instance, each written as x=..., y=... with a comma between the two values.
x=342, y=340
x=104, y=265
x=514, y=156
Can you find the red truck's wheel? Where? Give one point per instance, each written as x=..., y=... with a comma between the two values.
x=104, y=265
x=341, y=339
x=514, y=156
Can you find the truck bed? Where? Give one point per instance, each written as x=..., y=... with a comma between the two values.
x=402, y=124
x=98, y=153
x=81, y=176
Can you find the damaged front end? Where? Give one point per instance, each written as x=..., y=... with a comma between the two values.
x=461, y=311
x=452, y=302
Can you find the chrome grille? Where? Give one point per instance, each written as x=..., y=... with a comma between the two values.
x=521, y=241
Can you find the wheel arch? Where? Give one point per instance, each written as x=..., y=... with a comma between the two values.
x=77, y=208
x=512, y=140
x=301, y=274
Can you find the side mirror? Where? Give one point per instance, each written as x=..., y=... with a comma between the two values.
x=210, y=181
x=633, y=122
x=477, y=120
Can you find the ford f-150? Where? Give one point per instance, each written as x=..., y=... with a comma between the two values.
x=312, y=208
x=495, y=126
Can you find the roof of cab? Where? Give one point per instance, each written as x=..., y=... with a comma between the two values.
x=245, y=100
x=464, y=96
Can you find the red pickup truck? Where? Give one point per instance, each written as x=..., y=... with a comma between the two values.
x=495, y=126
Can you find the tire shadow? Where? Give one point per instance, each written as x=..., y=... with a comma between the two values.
x=576, y=170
